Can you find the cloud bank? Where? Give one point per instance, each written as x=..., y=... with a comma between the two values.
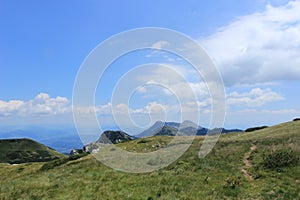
x=42, y=104
x=262, y=47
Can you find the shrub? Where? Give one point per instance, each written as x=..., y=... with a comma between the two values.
x=255, y=128
x=231, y=183
x=20, y=169
x=77, y=156
x=54, y=163
x=280, y=158
x=143, y=141
x=296, y=119
x=61, y=161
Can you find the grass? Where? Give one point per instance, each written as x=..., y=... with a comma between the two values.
x=16, y=151
x=218, y=176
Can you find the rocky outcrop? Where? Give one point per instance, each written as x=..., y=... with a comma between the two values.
x=92, y=147
x=107, y=137
x=76, y=152
x=114, y=137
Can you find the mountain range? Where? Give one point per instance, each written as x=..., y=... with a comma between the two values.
x=184, y=128
x=159, y=128
x=261, y=164
x=65, y=139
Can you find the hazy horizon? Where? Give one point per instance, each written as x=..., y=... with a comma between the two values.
x=253, y=44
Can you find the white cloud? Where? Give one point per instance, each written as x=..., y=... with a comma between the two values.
x=256, y=97
x=259, y=48
x=42, y=104
x=282, y=112
x=10, y=107
x=160, y=44
x=59, y=108
x=179, y=80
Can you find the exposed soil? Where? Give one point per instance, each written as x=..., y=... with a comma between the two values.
x=247, y=163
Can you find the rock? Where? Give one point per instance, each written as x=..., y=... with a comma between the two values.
x=76, y=152
x=114, y=137
x=91, y=148
x=107, y=137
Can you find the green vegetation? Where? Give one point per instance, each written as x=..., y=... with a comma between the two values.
x=255, y=128
x=77, y=156
x=280, y=158
x=17, y=151
x=218, y=176
x=55, y=163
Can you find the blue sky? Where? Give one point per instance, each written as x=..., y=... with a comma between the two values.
x=255, y=44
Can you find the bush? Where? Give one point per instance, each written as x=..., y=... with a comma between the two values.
x=297, y=119
x=143, y=141
x=255, y=128
x=279, y=159
x=54, y=163
x=61, y=161
x=231, y=183
x=77, y=156
x=20, y=169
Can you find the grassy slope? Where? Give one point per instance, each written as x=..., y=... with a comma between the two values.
x=218, y=176
x=25, y=150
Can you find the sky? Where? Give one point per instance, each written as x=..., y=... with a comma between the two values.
x=254, y=44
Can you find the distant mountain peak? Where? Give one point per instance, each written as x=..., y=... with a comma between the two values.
x=114, y=137
x=108, y=137
x=187, y=127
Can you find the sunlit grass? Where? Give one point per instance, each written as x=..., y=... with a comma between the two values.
x=218, y=176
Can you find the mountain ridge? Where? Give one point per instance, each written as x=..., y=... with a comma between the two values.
x=186, y=128
x=107, y=137
x=24, y=150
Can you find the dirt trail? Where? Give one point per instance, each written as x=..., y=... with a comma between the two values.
x=247, y=163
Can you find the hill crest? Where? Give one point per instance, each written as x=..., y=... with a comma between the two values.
x=23, y=150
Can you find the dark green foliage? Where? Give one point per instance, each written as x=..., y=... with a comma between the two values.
x=20, y=169
x=77, y=156
x=58, y=162
x=256, y=172
x=217, y=176
x=296, y=119
x=18, y=157
x=143, y=141
x=231, y=187
x=232, y=183
x=54, y=163
x=16, y=151
x=255, y=128
x=280, y=158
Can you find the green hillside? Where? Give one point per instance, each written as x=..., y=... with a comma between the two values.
x=17, y=151
x=241, y=166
